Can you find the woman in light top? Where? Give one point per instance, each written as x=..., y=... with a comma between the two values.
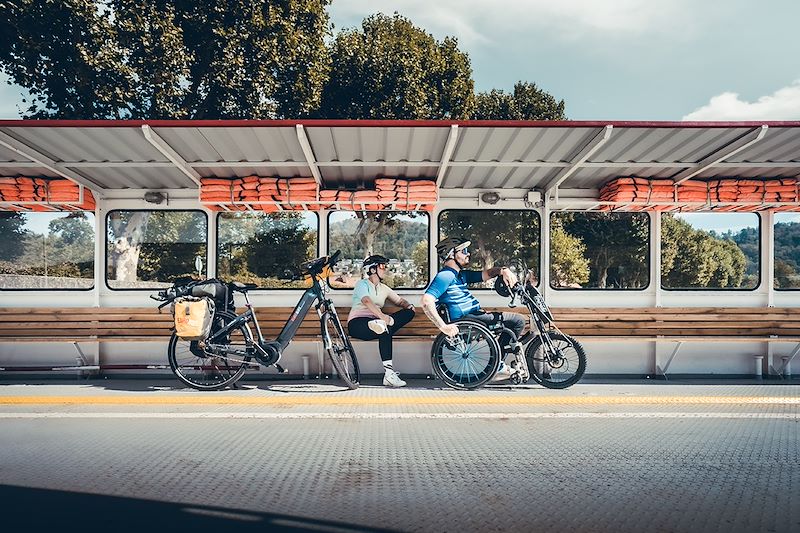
x=367, y=321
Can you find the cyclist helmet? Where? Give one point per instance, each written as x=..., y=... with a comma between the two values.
x=448, y=246
x=374, y=261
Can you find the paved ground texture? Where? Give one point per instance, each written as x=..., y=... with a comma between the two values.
x=116, y=455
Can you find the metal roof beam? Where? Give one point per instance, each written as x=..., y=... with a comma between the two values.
x=449, y=147
x=167, y=151
x=722, y=154
x=41, y=160
x=410, y=164
x=311, y=161
x=587, y=152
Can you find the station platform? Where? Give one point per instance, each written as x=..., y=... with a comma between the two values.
x=622, y=455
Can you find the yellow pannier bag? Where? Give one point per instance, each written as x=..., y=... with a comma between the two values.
x=193, y=317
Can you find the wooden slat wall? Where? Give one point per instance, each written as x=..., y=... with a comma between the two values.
x=134, y=323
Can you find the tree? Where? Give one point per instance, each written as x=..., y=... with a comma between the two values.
x=616, y=246
x=697, y=258
x=786, y=276
x=568, y=264
x=72, y=239
x=391, y=69
x=127, y=229
x=282, y=244
x=64, y=53
x=527, y=102
x=177, y=59
x=12, y=228
x=498, y=237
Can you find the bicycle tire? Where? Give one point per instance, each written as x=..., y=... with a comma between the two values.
x=194, y=367
x=469, y=366
x=569, y=366
x=340, y=350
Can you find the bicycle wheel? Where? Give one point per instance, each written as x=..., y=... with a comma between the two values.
x=340, y=350
x=197, y=367
x=470, y=360
x=558, y=364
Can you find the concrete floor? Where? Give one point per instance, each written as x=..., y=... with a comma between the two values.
x=132, y=455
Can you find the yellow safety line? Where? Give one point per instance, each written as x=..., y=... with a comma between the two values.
x=296, y=399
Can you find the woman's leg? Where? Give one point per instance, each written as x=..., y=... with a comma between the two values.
x=401, y=318
x=359, y=329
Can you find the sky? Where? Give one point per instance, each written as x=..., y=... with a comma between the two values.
x=613, y=59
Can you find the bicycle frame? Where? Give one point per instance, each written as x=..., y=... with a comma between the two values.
x=314, y=296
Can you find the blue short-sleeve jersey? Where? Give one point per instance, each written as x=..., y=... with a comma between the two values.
x=450, y=288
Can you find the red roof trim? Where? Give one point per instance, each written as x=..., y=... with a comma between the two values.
x=386, y=123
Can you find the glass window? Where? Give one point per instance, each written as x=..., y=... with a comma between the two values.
x=594, y=250
x=265, y=248
x=150, y=249
x=46, y=250
x=400, y=237
x=787, y=251
x=709, y=250
x=498, y=237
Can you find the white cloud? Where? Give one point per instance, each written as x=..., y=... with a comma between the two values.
x=783, y=104
x=475, y=21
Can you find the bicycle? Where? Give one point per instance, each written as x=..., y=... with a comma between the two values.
x=471, y=358
x=222, y=358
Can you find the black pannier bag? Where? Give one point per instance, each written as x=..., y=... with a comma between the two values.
x=217, y=291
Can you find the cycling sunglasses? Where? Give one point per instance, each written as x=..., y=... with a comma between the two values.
x=464, y=251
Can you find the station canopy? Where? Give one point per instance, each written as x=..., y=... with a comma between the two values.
x=544, y=156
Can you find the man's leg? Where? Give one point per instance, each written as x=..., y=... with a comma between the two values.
x=515, y=322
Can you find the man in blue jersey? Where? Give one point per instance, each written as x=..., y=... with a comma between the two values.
x=450, y=288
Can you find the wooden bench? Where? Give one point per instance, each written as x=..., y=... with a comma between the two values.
x=678, y=325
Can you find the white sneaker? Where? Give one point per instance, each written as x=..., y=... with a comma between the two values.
x=392, y=379
x=503, y=373
x=378, y=326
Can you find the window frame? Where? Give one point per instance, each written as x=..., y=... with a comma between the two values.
x=649, y=264
x=539, y=255
x=720, y=289
x=105, y=251
x=406, y=289
x=265, y=289
x=91, y=288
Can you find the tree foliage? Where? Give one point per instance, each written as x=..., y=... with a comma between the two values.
x=694, y=258
x=391, y=69
x=569, y=266
x=173, y=59
x=12, y=229
x=154, y=246
x=498, y=237
x=390, y=236
x=526, y=102
x=66, y=250
x=787, y=255
x=616, y=247
x=227, y=59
